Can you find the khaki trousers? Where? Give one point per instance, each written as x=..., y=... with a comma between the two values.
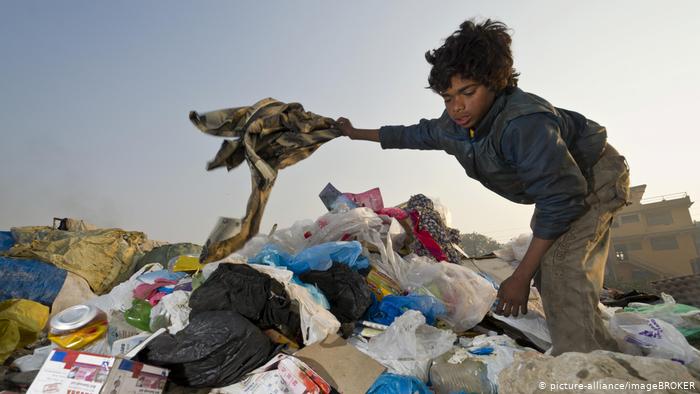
x=572, y=270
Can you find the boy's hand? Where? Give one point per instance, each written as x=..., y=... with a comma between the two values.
x=513, y=295
x=345, y=127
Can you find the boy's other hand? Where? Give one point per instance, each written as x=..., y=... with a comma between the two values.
x=512, y=296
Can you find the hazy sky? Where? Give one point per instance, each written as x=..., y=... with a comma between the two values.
x=94, y=98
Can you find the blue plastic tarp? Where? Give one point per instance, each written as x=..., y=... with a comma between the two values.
x=30, y=279
x=6, y=240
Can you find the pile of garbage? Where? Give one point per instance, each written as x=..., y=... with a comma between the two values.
x=365, y=298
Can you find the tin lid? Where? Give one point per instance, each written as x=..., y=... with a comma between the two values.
x=73, y=318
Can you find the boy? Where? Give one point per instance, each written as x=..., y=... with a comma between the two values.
x=521, y=147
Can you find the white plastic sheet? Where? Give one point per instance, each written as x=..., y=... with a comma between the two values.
x=408, y=346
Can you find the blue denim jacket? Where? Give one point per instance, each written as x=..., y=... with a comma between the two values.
x=524, y=149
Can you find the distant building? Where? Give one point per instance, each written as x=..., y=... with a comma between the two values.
x=654, y=238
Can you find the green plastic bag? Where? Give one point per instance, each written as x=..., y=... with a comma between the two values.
x=139, y=315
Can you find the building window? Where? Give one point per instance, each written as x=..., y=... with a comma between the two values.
x=626, y=219
x=620, y=252
x=634, y=246
x=657, y=218
x=664, y=243
x=695, y=264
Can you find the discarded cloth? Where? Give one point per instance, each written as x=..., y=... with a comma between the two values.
x=430, y=220
x=346, y=290
x=269, y=135
x=215, y=349
x=256, y=296
x=103, y=257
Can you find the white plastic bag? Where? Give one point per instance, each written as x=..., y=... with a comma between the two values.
x=515, y=249
x=466, y=295
x=122, y=295
x=172, y=312
x=638, y=335
x=316, y=322
x=409, y=345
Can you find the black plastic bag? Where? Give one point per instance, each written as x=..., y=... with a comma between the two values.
x=253, y=294
x=216, y=349
x=347, y=291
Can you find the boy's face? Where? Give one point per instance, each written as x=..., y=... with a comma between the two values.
x=467, y=101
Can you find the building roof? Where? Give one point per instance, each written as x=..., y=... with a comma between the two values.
x=684, y=289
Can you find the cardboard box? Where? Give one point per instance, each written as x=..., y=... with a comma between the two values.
x=73, y=372
x=347, y=369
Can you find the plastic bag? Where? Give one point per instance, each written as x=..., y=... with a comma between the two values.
x=316, y=258
x=466, y=295
x=515, y=249
x=389, y=383
x=638, y=335
x=321, y=257
x=316, y=322
x=393, y=306
x=172, y=312
x=685, y=318
x=347, y=291
x=408, y=345
x=20, y=322
x=139, y=315
x=216, y=349
x=121, y=296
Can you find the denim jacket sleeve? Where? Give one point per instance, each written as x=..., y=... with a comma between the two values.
x=533, y=144
x=424, y=135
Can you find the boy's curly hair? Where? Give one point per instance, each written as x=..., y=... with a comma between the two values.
x=476, y=51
